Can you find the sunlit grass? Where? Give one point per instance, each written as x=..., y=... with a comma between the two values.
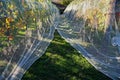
x=62, y=62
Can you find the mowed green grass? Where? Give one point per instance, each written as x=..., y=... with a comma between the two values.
x=62, y=62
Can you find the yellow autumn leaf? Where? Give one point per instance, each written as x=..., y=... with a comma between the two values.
x=7, y=21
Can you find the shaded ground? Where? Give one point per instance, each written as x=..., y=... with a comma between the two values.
x=62, y=62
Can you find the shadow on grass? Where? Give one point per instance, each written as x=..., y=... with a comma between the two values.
x=62, y=62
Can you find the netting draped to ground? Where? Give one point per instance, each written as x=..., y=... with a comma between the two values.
x=26, y=29
x=90, y=26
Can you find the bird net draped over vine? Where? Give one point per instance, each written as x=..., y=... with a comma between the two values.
x=93, y=28
x=26, y=29
x=90, y=26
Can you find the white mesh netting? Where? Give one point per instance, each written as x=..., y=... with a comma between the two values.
x=26, y=29
x=92, y=28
